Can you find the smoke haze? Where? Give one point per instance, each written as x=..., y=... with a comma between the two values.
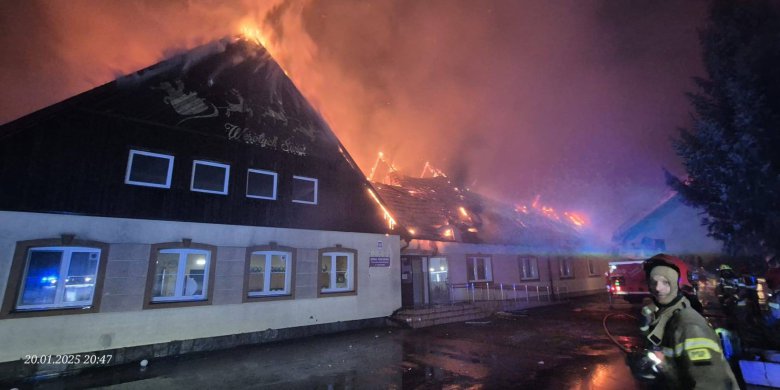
x=574, y=101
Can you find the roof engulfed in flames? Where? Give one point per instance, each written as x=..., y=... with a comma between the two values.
x=434, y=209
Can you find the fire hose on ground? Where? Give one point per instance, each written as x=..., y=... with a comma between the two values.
x=642, y=362
x=606, y=330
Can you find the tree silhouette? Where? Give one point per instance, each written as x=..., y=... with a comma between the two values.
x=732, y=152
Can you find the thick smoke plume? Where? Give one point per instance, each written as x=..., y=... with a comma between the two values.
x=573, y=101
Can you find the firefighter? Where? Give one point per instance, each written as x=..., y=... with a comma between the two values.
x=686, y=352
x=727, y=288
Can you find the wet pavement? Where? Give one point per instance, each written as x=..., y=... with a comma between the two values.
x=556, y=347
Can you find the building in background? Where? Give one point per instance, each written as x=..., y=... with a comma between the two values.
x=671, y=227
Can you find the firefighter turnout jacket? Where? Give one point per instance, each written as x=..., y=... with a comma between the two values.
x=692, y=351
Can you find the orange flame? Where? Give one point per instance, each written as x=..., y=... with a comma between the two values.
x=389, y=218
x=253, y=33
x=575, y=218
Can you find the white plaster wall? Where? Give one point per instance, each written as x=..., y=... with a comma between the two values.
x=583, y=281
x=506, y=269
x=379, y=289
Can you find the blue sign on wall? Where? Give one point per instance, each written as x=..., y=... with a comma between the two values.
x=378, y=261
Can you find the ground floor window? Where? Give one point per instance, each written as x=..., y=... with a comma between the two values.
x=59, y=277
x=529, y=268
x=479, y=268
x=180, y=274
x=47, y=276
x=566, y=267
x=593, y=268
x=337, y=270
x=270, y=273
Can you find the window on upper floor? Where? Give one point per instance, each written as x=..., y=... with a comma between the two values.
x=270, y=272
x=149, y=169
x=337, y=268
x=210, y=177
x=304, y=190
x=261, y=184
x=180, y=274
x=479, y=269
x=529, y=268
x=47, y=276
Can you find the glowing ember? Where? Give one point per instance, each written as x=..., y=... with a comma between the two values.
x=381, y=158
x=448, y=233
x=412, y=231
x=575, y=218
x=473, y=230
x=550, y=213
x=435, y=172
x=463, y=211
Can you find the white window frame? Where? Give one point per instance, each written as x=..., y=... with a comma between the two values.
x=350, y=276
x=195, y=164
x=262, y=172
x=532, y=263
x=67, y=252
x=268, y=271
x=133, y=152
x=316, y=189
x=566, y=267
x=180, y=280
x=488, y=265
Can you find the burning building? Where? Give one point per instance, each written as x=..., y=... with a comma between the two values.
x=200, y=203
x=460, y=245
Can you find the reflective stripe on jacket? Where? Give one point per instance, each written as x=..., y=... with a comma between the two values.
x=694, y=358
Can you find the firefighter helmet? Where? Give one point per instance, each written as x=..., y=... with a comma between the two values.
x=724, y=267
x=665, y=260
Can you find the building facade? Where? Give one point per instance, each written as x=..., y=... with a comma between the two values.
x=197, y=204
x=460, y=246
x=671, y=227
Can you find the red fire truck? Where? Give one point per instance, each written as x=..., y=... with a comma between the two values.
x=626, y=279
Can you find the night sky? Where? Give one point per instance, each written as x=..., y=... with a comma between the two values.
x=572, y=101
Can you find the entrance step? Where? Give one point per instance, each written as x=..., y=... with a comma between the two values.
x=440, y=314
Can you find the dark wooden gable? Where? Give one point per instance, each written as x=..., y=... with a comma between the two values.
x=228, y=103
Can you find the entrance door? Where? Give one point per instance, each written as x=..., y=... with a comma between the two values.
x=437, y=282
x=412, y=281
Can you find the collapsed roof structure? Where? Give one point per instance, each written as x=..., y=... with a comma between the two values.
x=435, y=209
